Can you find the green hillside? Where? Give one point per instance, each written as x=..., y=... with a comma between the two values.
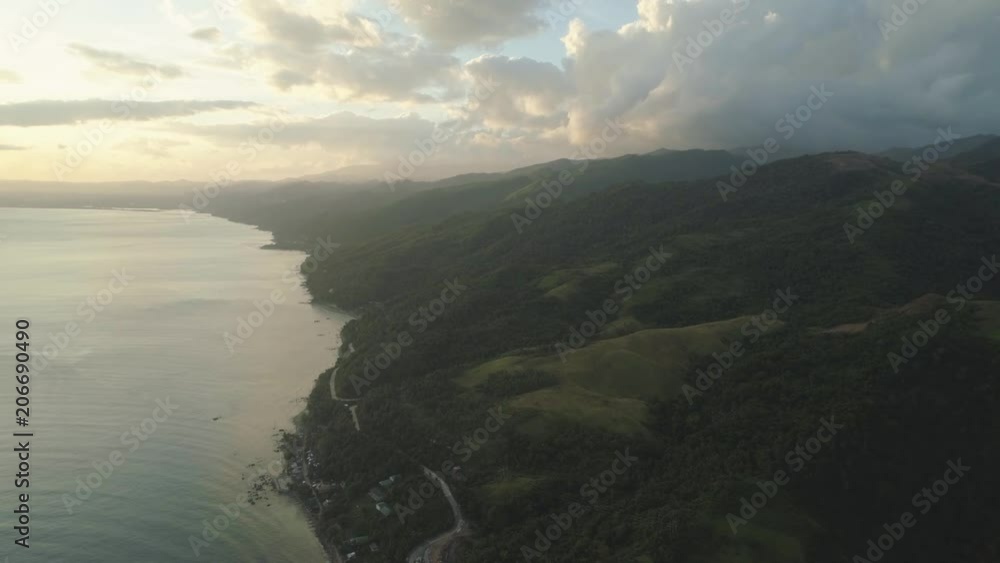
x=497, y=344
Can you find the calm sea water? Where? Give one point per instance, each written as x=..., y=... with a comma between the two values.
x=151, y=297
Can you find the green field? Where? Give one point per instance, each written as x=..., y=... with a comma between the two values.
x=607, y=383
x=641, y=365
x=562, y=284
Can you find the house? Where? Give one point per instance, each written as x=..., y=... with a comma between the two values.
x=386, y=484
x=323, y=488
x=377, y=494
x=384, y=509
x=357, y=540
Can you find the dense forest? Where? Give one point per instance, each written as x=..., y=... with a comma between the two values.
x=777, y=375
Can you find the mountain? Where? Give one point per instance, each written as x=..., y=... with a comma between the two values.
x=961, y=146
x=983, y=160
x=700, y=341
x=353, y=212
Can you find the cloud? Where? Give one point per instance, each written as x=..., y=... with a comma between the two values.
x=11, y=148
x=529, y=94
x=453, y=23
x=935, y=70
x=59, y=112
x=343, y=55
x=304, y=31
x=120, y=63
x=380, y=145
x=345, y=133
x=209, y=34
x=395, y=73
x=9, y=76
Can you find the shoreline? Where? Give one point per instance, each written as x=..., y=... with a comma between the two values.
x=441, y=543
x=296, y=452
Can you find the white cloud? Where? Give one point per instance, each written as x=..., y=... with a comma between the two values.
x=300, y=30
x=62, y=112
x=932, y=72
x=120, y=63
x=347, y=56
x=529, y=94
x=335, y=57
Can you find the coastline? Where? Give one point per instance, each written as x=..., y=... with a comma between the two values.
x=296, y=450
x=292, y=444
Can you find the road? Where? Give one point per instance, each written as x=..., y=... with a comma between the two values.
x=347, y=402
x=432, y=550
x=333, y=389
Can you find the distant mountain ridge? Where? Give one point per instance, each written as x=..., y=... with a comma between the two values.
x=960, y=147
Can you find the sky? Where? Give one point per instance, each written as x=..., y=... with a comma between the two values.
x=118, y=90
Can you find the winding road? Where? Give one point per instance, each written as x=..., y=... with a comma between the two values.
x=432, y=550
x=348, y=402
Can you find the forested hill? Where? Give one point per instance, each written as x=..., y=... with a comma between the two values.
x=298, y=212
x=706, y=338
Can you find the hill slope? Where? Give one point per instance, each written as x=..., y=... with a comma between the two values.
x=778, y=267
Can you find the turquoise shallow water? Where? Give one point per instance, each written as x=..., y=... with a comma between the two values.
x=138, y=351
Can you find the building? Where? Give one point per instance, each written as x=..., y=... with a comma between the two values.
x=376, y=494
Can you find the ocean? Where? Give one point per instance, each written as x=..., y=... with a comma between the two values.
x=166, y=351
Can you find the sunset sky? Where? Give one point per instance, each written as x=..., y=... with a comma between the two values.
x=179, y=86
